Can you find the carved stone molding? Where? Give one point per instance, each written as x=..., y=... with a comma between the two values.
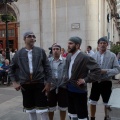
x=9, y=10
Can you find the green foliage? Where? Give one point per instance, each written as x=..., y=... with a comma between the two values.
x=115, y=48
x=9, y=18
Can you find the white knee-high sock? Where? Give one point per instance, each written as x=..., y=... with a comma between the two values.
x=83, y=119
x=75, y=118
x=33, y=116
x=44, y=116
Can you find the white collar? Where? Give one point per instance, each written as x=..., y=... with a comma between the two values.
x=29, y=50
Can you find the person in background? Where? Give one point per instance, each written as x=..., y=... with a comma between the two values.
x=34, y=77
x=58, y=92
x=109, y=67
x=118, y=57
x=4, y=71
x=89, y=51
x=117, y=77
x=50, y=53
x=63, y=54
x=2, y=57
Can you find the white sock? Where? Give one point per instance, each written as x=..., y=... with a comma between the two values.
x=44, y=116
x=75, y=118
x=83, y=119
x=33, y=116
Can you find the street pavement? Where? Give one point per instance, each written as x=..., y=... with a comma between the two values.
x=11, y=105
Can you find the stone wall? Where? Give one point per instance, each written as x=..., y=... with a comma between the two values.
x=58, y=20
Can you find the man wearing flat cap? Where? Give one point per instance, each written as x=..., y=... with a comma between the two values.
x=34, y=74
x=82, y=69
x=58, y=92
x=109, y=67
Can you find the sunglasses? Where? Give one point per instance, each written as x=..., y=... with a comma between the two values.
x=30, y=36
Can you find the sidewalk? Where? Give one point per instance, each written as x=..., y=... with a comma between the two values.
x=11, y=105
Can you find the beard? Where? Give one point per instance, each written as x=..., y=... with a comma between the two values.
x=72, y=50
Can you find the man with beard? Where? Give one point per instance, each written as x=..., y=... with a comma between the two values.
x=34, y=75
x=82, y=69
x=58, y=92
x=109, y=67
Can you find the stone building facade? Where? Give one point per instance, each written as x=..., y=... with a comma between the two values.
x=57, y=20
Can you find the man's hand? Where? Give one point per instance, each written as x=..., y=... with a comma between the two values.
x=46, y=88
x=16, y=86
x=80, y=81
x=103, y=71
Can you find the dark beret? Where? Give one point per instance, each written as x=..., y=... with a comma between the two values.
x=76, y=40
x=105, y=39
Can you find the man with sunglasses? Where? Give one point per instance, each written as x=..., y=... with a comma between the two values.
x=34, y=73
x=58, y=92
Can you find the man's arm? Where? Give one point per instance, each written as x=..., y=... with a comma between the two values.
x=48, y=72
x=115, y=68
x=13, y=67
x=94, y=70
x=12, y=71
x=47, y=68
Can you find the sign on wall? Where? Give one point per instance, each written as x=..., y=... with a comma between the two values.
x=75, y=26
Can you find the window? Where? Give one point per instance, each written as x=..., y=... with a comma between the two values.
x=11, y=32
x=2, y=33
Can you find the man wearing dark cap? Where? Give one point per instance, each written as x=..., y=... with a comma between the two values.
x=58, y=91
x=34, y=74
x=109, y=67
x=82, y=69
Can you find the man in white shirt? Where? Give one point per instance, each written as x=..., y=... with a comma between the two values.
x=34, y=73
x=82, y=69
x=109, y=67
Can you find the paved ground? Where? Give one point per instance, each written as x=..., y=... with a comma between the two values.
x=11, y=106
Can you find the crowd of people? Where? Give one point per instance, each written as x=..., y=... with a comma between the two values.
x=4, y=66
x=59, y=81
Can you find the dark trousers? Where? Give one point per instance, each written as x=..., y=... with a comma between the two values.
x=77, y=104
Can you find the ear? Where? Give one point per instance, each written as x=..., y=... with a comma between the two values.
x=77, y=46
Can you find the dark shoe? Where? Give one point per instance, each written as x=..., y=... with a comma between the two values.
x=106, y=118
x=92, y=118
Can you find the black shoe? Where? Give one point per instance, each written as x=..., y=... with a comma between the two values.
x=92, y=118
x=106, y=118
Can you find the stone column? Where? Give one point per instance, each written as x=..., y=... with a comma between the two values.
x=35, y=19
x=92, y=22
x=24, y=19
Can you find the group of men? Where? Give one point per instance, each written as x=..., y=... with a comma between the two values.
x=46, y=83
